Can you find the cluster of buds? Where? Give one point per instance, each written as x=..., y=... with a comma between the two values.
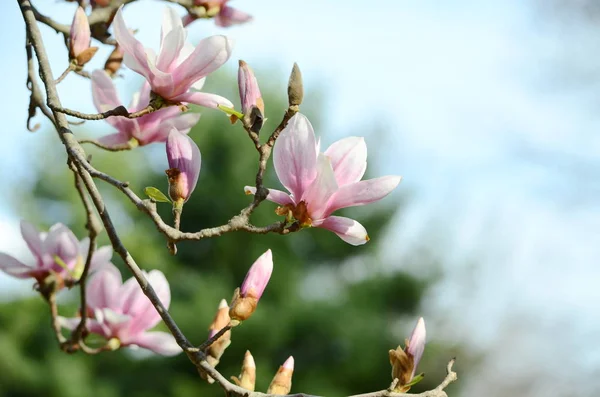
x=217, y=348
x=80, y=51
x=405, y=361
x=245, y=299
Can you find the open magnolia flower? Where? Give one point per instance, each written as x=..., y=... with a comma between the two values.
x=178, y=67
x=321, y=183
x=152, y=127
x=121, y=312
x=57, y=252
x=225, y=16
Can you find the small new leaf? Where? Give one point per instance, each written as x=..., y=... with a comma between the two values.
x=231, y=111
x=416, y=379
x=156, y=195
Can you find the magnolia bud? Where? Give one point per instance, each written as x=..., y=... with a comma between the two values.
x=295, y=87
x=184, y=166
x=249, y=92
x=247, y=296
x=220, y=321
x=79, y=40
x=282, y=381
x=113, y=63
x=247, y=378
x=404, y=361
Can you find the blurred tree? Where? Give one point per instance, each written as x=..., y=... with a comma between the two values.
x=328, y=304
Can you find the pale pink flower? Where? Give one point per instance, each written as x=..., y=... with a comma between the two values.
x=321, y=183
x=122, y=311
x=247, y=296
x=80, y=38
x=56, y=252
x=150, y=128
x=250, y=95
x=178, y=67
x=416, y=344
x=185, y=162
x=225, y=16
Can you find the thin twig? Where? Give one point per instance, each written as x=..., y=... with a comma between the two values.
x=68, y=70
x=213, y=338
x=116, y=148
x=118, y=111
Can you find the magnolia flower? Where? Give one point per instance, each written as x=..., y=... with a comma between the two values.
x=185, y=161
x=321, y=183
x=247, y=296
x=57, y=252
x=150, y=128
x=249, y=92
x=80, y=38
x=178, y=67
x=282, y=381
x=121, y=312
x=405, y=361
x=225, y=16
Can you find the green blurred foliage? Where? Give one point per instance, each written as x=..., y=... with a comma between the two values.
x=337, y=325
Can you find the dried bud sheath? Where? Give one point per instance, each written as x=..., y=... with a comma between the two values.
x=247, y=378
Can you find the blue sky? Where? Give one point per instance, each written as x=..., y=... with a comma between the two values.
x=498, y=149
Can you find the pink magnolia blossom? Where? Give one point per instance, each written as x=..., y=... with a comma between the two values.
x=247, y=296
x=80, y=38
x=153, y=127
x=178, y=67
x=321, y=183
x=225, y=16
x=56, y=252
x=416, y=344
x=250, y=95
x=122, y=311
x=185, y=162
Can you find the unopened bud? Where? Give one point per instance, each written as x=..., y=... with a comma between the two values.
x=184, y=162
x=247, y=296
x=250, y=94
x=79, y=39
x=247, y=378
x=295, y=87
x=114, y=61
x=220, y=321
x=282, y=381
x=404, y=361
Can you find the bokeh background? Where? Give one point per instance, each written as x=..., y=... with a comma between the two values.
x=488, y=110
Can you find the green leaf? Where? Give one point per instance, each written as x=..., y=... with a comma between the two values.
x=416, y=379
x=156, y=195
x=231, y=111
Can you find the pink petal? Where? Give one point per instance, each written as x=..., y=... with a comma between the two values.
x=103, y=289
x=104, y=92
x=155, y=127
x=173, y=37
x=135, y=56
x=258, y=276
x=348, y=159
x=80, y=34
x=295, y=155
x=114, y=140
x=204, y=99
x=416, y=343
x=347, y=229
x=101, y=258
x=31, y=235
x=184, y=123
x=209, y=55
x=61, y=242
x=276, y=196
x=161, y=343
x=229, y=16
x=289, y=363
x=14, y=267
x=184, y=154
x=319, y=192
x=363, y=192
x=144, y=314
